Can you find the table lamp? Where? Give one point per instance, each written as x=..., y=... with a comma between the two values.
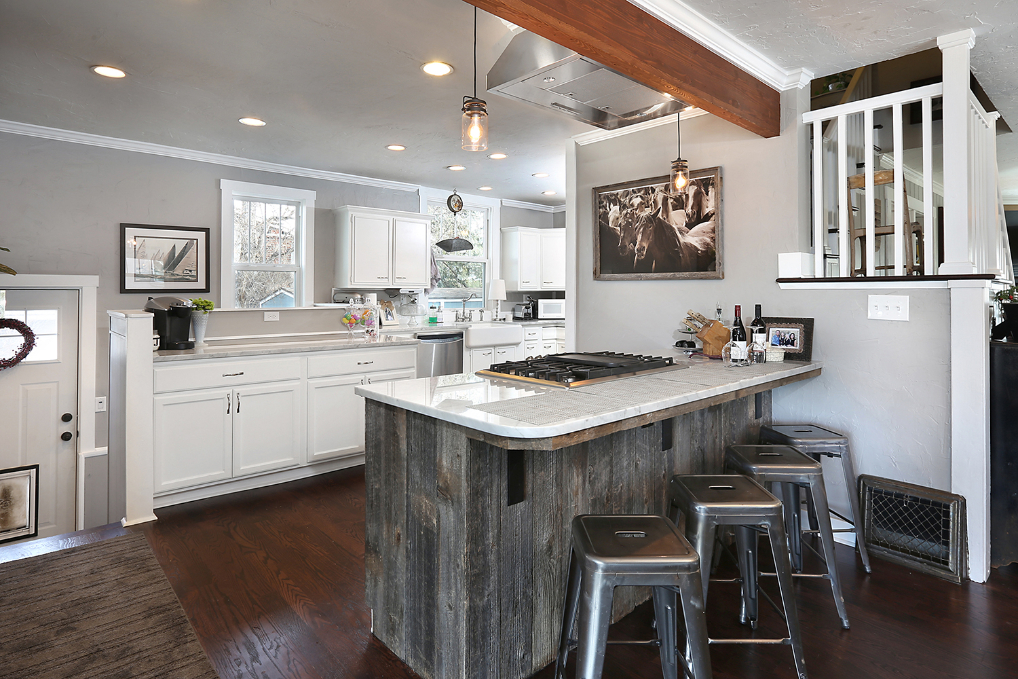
x=496, y=293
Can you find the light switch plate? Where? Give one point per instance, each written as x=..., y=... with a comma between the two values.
x=271, y=315
x=100, y=404
x=888, y=307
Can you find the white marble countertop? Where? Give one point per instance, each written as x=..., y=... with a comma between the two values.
x=439, y=327
x=261, y=348
x=515, y=410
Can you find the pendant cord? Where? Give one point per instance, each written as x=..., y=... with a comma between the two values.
x=475, y=52
x=678, y=134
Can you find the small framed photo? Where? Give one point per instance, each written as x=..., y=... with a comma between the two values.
x=794, y=335
x=19, y=503
x=388, y=313
x=163, y=259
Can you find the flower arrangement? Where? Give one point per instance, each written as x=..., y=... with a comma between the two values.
x=1010, y=295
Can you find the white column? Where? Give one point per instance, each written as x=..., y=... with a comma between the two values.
x=957, y=201
x=572, y=277
x=970, y=415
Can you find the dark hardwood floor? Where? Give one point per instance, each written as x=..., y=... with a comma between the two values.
x=273, y=582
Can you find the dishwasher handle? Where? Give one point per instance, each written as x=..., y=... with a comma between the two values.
x=441, y=338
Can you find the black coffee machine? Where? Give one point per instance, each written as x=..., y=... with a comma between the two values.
x=172, y=321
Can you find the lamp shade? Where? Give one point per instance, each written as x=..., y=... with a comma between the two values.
x=496, y=291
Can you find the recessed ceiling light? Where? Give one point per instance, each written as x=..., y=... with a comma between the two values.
x=396, y=147
x=108, y=72
x=689, y=108
x=484, y=188
x=437, y=68
x=455, y=168
x=549, y=79
x=252, y=122
x=548, y=193
x=540, y=175
x=498, y=156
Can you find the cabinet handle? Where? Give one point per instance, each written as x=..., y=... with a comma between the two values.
x=232, y=374
x=364, y=362
x=400, y=278
x=382, y=278
x=238, y=404
x=526, y=281
x=548, y=282
x=227, y=404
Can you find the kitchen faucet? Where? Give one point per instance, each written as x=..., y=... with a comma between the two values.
x=462, y=317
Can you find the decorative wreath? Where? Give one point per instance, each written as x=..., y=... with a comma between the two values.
x=26, y=347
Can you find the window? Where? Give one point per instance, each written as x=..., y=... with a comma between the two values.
x=466, y=271
x=43, y=323
x=268, y=246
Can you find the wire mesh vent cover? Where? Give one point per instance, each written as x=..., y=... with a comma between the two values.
x=915, y=526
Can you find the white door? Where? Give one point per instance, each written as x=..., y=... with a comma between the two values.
x=266, y=427
x=411, y=261
x=335, y=417
x=193, y=438
x=39, y=401
x=370, y=250
x=553, y=259
x=481, y=359
x=530, y=260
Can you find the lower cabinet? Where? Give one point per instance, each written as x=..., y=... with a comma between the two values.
x=482, y=358
x=193, y=433
x=266, y=427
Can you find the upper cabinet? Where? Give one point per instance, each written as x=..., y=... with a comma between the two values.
x=533, y=259
x=382, y=249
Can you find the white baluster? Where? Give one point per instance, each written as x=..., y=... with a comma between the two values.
x=900, y=202
x=929, y=210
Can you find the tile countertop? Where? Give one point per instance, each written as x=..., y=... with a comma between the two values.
x=225, y=350
x=515, y=410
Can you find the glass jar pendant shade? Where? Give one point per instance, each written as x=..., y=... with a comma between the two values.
x=678, y=178
x=475, y=125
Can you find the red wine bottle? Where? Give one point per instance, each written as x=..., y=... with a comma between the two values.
x=738, y=336
x=756, y=327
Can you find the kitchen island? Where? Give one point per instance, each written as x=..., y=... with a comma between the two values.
x=472, y=485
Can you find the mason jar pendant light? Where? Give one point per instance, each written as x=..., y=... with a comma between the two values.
x=678, y=178
x=475, y=112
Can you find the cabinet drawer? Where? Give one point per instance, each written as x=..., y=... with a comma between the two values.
x=202, y=374
x=362, y=361
x=553, y=332
x=530, y=334
x=531, y=349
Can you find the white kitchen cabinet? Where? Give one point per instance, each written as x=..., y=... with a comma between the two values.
x=531, y=349
x=192, y=438
x=266, y=427
x=335, y=417
x=549, y=347
x=481, y=359
x=382, y=249
x=533, y=259
x=391, y=376
x=503, y=354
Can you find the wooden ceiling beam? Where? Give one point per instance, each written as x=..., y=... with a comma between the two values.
x=634, y=43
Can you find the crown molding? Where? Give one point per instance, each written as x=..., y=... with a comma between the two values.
x=601, y=135
x=533, y=206
x=70, y=136
x=694, y=25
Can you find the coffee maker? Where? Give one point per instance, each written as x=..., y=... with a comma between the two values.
x=172, y=321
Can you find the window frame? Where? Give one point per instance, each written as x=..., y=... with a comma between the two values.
x=493, y=233
x=304, y=278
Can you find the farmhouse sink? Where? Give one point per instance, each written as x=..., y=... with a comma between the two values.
x=494, y=334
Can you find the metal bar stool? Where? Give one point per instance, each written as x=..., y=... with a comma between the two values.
x=709, y=501
x=613, y=551
x=787, y=470
x=816, y=441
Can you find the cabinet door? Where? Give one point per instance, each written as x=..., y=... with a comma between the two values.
x=266, y=427
x=531, y=349
x=370, y=250
x=335, y=418
x=549, y=346
x=392, y=376
x=481, y=359
x=503, y=354
x=411, y=261
x=560, y=346
x=193, y=438
x=530, y=260
x=553, y=259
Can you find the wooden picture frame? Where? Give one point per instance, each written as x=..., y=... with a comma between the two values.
x=801, y=329
x=164, y=259
x=388, y=313
x=641, y=232
x=19, y=503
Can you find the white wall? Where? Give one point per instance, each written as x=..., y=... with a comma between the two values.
x=884, y=383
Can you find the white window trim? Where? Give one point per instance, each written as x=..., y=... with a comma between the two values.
x=304, y=295
x=493, y=269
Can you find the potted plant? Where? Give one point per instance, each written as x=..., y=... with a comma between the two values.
x=200, y=317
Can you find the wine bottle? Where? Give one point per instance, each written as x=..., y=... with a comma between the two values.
x=756, y=327
x=738, y=336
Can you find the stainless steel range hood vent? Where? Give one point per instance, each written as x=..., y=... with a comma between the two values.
x=540, y=72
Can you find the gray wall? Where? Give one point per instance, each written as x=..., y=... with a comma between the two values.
x=516, y=216
x=884, y=383
x=63, y=205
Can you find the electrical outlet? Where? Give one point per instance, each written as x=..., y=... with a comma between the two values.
x=100, y=404
x=888, y=307
x=271, y=315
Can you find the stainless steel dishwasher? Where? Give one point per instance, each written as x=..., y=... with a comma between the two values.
x=439, y=353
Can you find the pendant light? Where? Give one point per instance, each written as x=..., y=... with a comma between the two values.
x=678, y=178
x=475, y=112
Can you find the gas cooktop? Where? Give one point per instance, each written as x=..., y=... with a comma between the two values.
x=577, y=370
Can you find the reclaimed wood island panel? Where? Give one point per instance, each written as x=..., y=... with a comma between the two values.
x=472, y=485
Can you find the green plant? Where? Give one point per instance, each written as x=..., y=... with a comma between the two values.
x=7, y=269
x=204, y=305
x=1009, y=295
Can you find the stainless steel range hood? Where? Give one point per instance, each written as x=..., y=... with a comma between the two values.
x=539, y=72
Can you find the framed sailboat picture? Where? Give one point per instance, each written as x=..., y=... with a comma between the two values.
x=163, y=259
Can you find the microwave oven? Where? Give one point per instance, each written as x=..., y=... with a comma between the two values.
x=551, y=308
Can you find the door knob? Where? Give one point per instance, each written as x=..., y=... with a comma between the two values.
x=66, y=417
x=66, y=436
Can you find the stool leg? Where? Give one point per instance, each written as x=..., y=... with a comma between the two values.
x=853, y=498
x=665, y=617
x=779, y=546
x=700, y=532
x=698, y=651
x=818, y=492
x=595, y=616
x=746, y=543
x=791, y=500
x=568, y=614
x=811, y=510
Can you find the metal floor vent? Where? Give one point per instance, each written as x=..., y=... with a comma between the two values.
x=915, y=526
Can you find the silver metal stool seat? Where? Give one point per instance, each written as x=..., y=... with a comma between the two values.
x=786, y=470
x=816, y=442
x=613, y=551
x=710, y=501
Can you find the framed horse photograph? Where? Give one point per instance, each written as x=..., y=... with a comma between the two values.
x=644, y=231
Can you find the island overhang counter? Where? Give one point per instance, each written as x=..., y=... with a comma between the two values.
x=472, y=484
